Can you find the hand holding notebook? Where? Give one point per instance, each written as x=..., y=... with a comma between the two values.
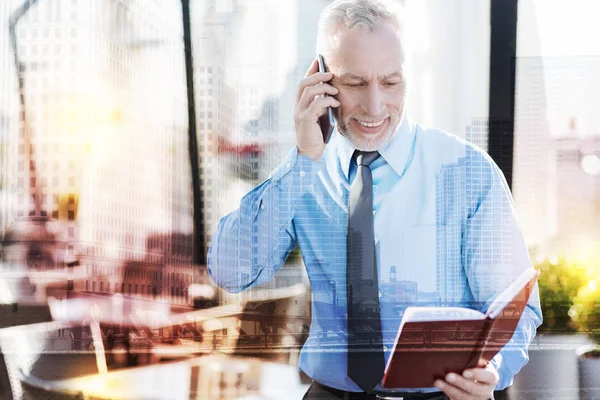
x=433, y=341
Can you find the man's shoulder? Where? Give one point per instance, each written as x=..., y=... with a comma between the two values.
x=440, y=146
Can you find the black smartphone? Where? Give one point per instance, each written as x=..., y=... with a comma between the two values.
x=326, y=121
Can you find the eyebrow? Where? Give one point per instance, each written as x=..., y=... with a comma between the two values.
x=349, y=76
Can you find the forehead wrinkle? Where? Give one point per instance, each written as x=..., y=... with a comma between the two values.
x=392, y=75
x=349, y=75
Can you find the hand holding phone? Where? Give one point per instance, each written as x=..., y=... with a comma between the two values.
x=326, y=121
x=313, y=101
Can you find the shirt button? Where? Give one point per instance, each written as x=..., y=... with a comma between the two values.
x=373, y=212
x=380, y=294
x=302, y=173
x=385, y=348
x=289, y=165
x=375, y=188
x=262, y=206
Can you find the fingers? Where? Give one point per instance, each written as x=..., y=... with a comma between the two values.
x=312, y=77
x=314, y=67
x=318, y=106
x=482, y=363
x=453, y=392
x=469, y=386
x=310, y=92
x=313, y=80
x=475, y=383
x=313, y=97
x=487, y=375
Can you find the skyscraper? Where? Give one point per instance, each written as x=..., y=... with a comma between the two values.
x=533, y=156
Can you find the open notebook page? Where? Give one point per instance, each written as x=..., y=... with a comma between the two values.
x=510, y=293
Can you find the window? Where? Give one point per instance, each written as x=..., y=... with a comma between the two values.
x=557, y=130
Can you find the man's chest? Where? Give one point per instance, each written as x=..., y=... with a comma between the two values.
x=418, y=247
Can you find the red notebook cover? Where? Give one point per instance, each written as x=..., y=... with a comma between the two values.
x=428, y=350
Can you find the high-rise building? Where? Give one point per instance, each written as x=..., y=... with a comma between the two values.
x=451, y=182
x=533, y=156
x=477, y=132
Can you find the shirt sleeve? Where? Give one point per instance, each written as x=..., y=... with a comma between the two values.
x=254, y=241
x=494, y=254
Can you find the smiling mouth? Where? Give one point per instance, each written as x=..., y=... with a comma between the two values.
x=371, y=124
x=370, y=127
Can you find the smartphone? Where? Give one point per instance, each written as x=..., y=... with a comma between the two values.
x=326, y=120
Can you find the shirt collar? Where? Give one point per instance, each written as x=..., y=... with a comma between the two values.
x=396, y=153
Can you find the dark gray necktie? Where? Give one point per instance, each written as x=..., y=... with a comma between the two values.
x=365, y=349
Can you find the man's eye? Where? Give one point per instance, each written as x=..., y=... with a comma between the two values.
x=391, y=84
x=354, y=85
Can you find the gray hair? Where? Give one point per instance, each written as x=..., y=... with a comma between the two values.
x=356, y=14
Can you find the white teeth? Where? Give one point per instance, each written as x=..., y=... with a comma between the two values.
x=370, y=124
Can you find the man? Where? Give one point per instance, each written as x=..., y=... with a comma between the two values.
x=388, y=213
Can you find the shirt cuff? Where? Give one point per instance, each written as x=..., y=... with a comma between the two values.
x=497, y=361
x=505, y=376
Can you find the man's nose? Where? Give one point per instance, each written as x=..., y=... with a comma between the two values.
x=373, y=103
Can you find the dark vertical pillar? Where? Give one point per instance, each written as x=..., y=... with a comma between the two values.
x=503, y=47
x=199, y=256
x=30, y=159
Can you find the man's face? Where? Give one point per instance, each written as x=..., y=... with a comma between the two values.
x=368, y=72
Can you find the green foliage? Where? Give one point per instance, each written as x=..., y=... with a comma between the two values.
x=559, y=283
x=585, y=311
x=295, y=256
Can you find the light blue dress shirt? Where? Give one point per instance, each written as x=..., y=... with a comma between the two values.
x=445, y=232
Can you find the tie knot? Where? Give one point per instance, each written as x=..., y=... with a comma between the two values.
x=365, y=157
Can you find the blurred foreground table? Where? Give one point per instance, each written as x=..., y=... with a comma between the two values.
x=208, y=377
x=77, y=356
